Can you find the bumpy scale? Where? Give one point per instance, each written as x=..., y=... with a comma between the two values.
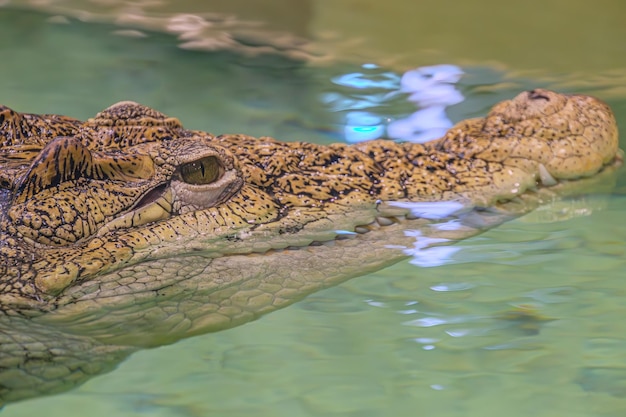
x=80, y=201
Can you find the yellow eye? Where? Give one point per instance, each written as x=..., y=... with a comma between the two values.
x=202, y=171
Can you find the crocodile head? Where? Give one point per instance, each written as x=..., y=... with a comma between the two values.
x=130, y=223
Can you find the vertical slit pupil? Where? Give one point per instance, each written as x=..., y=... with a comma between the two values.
x=202, y=171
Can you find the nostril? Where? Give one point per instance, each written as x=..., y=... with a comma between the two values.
x=537, y=95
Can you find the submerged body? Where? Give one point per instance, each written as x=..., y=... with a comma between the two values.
x=129, y=229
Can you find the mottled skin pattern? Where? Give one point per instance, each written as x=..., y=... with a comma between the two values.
x=68, y=187
x=128, y=229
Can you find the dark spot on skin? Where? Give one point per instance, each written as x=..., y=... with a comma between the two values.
x=535, y=95
x=333, y=159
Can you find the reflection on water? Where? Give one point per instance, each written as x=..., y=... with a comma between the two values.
x=432, y=90
x=427, y=251
x=361, y=98
x=233, y=26
x=433, y=209
x=365, y=99
x=526, y=319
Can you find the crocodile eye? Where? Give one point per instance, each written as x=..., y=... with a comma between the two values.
x=202, y=171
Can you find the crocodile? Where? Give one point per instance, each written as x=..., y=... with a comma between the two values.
x=128, y=230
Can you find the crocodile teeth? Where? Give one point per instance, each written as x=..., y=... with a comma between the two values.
x=346, y=236
x=546, y=178
x=412, y=216
x=384, y=221
x=361, y=229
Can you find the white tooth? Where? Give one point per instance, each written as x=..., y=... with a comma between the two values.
x=412, y=216
x=346, y=236
x=361, y=229
x=384, y=221
x=546, y=178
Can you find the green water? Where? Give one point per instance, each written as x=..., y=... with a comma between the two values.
x=404, y=341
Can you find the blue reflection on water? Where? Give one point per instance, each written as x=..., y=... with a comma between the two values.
x=426, y=251
x=432, y=209
x=386, y=80
x=424, y=254
x=372, y=92
x=362, y=125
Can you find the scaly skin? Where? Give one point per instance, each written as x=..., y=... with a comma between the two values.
x=128, y=229
x=84, y=201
